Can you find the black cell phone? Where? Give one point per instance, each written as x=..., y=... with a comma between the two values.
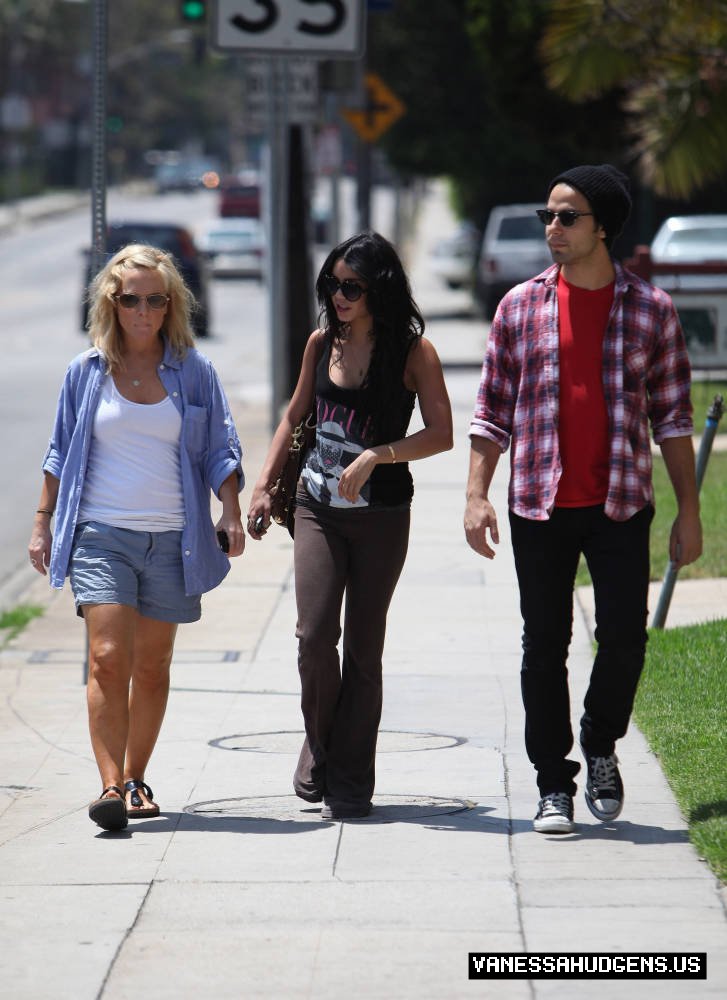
x=259, y=524
x=223, y=540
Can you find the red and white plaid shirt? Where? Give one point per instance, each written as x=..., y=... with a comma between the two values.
x=646, y=379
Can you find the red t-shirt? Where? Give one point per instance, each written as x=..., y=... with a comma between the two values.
x=583, y=425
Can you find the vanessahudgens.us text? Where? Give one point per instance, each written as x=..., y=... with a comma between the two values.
x=587, y=965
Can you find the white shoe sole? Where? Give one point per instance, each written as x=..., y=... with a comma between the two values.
x=554, y=824
x=602, y=815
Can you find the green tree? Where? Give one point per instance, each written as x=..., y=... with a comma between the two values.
x=162, y=92
x=478, y=107
x=667, y=59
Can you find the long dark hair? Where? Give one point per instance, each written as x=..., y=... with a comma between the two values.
x=397, y=323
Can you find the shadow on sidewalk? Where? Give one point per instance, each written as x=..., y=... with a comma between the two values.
x=182, y=822
x=467, y=819
x=623, y=832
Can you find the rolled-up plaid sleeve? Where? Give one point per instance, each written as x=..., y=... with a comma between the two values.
x=496, y=394
x=669, y=378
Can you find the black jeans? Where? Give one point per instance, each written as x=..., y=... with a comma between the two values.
x=546, y=560
x=360, y=553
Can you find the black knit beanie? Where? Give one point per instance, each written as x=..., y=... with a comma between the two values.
x=607, y=191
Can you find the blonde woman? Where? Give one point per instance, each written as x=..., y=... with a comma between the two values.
x=142, y=433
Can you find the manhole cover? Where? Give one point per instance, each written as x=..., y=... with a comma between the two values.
x=290, y=742
x=387, y=808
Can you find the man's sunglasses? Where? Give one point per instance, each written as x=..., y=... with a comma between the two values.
x=351, y=290
x=127, y=300
x=567, y=217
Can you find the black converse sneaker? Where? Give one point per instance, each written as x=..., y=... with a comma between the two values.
x=555, y=814
x=604, y=788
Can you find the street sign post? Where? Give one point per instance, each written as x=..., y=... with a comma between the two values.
x=280, y=29
x=381, y=109
x=294, y=88
x=328, y=29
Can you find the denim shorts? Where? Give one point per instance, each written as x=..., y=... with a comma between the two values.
x=142, y=569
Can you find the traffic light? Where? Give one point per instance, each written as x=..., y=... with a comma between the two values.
x=193, y=10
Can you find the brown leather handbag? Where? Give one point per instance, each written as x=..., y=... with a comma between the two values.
x=282, y=507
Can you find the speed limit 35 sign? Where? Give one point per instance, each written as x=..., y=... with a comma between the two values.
x=324, y=28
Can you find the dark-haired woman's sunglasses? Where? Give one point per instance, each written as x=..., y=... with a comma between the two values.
x=351, y=290
x=567, y=217
x=127, y=300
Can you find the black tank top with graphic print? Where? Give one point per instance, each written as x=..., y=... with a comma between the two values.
x=343, y=431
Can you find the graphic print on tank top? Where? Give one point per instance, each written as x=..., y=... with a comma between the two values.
x=340, y=439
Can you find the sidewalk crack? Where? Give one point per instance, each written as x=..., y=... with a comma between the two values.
x=122, y=942
x=282, y=589
x=510, y=838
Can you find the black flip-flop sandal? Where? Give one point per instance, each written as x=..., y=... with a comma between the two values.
x=109, y=813
x=139, y=810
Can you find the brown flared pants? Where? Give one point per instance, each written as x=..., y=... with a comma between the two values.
x=359, y=553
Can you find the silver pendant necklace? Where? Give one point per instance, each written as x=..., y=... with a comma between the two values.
x=357, y=359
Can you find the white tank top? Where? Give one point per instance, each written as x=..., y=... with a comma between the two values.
x=133, y=477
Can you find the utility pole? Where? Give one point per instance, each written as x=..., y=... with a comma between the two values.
x=277, y=215
x=98, y=154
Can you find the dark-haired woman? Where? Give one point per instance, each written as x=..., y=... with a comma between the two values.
x=363, y=369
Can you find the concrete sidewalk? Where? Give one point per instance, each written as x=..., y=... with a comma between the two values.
x=239, y=889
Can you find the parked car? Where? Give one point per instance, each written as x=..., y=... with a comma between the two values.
x=240, y=195
x=689, y=246
x=454, y=257
x=513, y=250
x=235, y=248
x=176, y=240
x=688, y=259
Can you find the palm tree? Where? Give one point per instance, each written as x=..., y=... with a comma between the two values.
x=667, y=62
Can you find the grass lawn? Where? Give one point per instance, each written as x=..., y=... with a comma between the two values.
x=713, y=500
x=12, y=622
x=703, y=394
x=681, y=707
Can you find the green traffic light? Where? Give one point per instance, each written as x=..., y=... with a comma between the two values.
x=194, y=10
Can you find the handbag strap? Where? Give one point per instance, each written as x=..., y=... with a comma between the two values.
x=320, y=348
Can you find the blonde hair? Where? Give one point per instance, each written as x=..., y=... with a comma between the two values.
x=103, y=325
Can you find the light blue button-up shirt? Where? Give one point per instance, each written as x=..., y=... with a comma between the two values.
x=209, y=451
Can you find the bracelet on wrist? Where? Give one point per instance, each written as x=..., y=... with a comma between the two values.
x=393, y=453
x=44, y=510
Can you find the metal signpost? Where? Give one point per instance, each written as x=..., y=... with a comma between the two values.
x=714, y=416
x=280, y=29
x=379, y=109
x=99, y=50
x=98, y=166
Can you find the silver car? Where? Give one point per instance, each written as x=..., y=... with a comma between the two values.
x=235, y=248
x=688, y=259
x=513, y=250
x=453, y=257
x=690, y=252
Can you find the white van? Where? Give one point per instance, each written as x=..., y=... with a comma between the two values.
x=513, y=250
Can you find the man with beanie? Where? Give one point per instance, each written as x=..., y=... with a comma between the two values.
x=581, y=360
